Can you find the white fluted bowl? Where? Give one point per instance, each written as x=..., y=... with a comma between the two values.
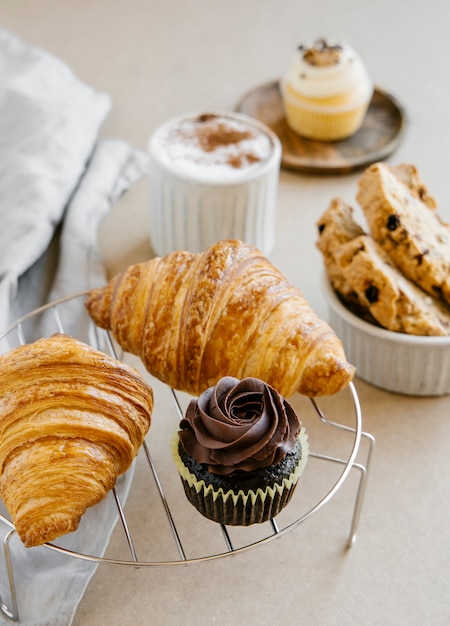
x=406, y=364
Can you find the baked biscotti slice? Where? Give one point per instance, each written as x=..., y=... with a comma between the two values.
x=395, y=302
x=402, y=218
x=335, y=227
x=408, y=175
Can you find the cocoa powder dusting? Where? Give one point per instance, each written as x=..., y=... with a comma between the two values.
x=239, y=160
x=212, y=133
x=220, y=134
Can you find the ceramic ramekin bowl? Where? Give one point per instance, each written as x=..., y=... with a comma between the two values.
x=405, y=364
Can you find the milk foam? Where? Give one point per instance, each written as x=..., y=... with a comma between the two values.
x=212, y=148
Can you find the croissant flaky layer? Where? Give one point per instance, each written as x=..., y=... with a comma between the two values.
x=194, y=318
x=72, y=419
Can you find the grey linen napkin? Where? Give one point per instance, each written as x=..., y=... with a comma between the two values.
x=57, y=181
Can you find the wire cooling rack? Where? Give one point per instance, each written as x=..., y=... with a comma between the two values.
x=54, y=314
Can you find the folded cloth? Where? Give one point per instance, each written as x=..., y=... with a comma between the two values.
x=49, y=122
x=72, y=262
x=57, y=181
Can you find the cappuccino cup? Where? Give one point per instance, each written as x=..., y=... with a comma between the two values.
x=213, y=176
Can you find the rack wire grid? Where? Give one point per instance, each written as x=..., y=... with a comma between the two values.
x=15, y=335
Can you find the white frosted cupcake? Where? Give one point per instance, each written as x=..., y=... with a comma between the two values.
x=326, y=91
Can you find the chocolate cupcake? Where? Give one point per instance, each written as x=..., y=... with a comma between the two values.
x=240, y=451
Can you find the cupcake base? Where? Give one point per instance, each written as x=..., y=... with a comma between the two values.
x=324, y=126
x=325, y=121
x=243, y=505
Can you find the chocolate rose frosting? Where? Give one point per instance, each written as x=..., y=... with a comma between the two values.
x=239, y=425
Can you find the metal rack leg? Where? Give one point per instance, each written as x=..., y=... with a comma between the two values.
x=364, y=469
x=364, y=472
x=12, y=612
x=358, y=504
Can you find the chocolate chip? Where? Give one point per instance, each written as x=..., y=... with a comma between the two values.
x=419, y=257
x=321, y=228
x=393, y=222
x=372, y=293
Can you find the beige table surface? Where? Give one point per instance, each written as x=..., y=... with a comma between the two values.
x=158, y=59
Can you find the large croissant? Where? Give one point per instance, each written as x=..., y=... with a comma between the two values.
x=193, y=318
x=71, y=420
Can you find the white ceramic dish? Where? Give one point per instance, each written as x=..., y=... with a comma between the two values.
x=405, y=364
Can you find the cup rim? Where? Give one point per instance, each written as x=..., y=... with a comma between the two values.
x=380, y=333
x=274, y=158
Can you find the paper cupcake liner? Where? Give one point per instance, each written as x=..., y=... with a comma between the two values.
x=239, y=508
x=325, y=126
x=323, y=122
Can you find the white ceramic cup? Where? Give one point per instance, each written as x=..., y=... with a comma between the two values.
x=213, y=176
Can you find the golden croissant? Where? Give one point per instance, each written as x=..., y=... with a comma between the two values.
x=71, y=421
x=193, y=318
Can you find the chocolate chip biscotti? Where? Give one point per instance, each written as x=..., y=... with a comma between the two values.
x=394, y=301
x=335, y=227
x=402, y=218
